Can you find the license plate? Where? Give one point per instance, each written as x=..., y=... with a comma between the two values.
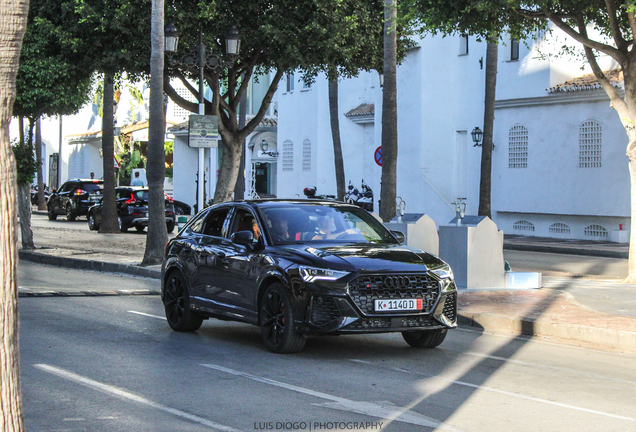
x=398, y=305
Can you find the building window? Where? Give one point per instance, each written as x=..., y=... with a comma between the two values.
x=596, y=231
x=290, y=81
x=518, y=147
x=463, y=45
x=559, y=228
x=306, y=85
x=306, y=155
x=523, y=225
x=514, y=49
x=590, y=144
x=288, y=156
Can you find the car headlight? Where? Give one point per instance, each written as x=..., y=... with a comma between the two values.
x=312, y=274
x=444, y=272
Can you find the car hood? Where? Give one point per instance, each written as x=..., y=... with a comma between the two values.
x=365, y=257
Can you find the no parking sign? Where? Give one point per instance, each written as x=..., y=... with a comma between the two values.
x=378, y=156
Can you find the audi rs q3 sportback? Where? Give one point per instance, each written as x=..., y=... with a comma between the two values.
x=301, y=268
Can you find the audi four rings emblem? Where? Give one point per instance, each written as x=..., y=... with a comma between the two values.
x=397, y=281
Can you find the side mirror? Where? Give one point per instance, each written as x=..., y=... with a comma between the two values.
x=399, y=235
x=245, y=238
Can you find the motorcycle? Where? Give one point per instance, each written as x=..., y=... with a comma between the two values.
x=310, y=192
x=362, y=199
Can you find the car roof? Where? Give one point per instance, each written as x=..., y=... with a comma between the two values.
x=85, y=180
x=282, y=202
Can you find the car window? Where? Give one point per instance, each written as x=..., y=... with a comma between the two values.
x=123, y=194
x=66, y=187
x=141, y=195
x=213, y=225
x=244, y=220
x=91, y=188
x=197, y=224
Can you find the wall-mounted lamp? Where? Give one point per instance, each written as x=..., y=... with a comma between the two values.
x=477, y=135
x=264, y=147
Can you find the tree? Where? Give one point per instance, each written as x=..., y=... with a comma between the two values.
x=157, y=234
x=13, y=18
x=489, y=120
x=388, y=191
x=26, y=167
x=277, y=36
x=599, y=27
x=335, y=133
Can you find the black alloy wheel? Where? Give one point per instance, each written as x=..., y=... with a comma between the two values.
x=424, y=339
x=277, y=322
x=92, y=225
x=51, y=213
x=177, y=305
x=123, y=228
x=70, y=214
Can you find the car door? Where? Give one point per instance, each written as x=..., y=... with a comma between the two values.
x=64, y=196
x=240, y=268
x=207, y=288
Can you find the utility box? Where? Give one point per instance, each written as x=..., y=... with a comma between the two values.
x=474, y=250
x=419, y=229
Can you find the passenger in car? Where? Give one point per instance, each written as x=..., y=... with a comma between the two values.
x=328, y=229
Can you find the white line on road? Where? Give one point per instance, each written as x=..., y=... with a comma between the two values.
x=105, y=388
x=490, y=389
x=384, y=411
x=148, y=315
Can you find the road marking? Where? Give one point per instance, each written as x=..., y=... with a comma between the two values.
x=360, y=361
x=105, y=388
x=388, y=412
x=490, y=389
x=148, y=315
x=75, y=419
x=542, y=366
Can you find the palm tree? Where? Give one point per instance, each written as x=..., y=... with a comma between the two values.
x=388, y=191
x=335, y=133
x=489, y=119
x=157, y=233
x=109, y=210
x=13, y=17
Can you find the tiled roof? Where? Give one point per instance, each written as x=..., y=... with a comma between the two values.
x=365, y=109
x=588, y=82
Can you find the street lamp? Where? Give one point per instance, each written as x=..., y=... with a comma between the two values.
x=264, y=147
x=202, y=60
x=477, y=135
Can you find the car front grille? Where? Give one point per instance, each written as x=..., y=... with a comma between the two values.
x=364, y=290
x=369, y=323
x=323, y=310
x=450, y=307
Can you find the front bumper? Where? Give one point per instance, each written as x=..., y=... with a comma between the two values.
x=340, y=315
x=143, y=221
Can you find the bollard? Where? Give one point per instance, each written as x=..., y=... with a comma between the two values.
x=181, y=221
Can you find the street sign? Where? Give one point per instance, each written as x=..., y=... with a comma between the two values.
x=378, y=156
x=203, y=131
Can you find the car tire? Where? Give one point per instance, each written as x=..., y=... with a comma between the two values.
x=140, y=228
x=92, y=225
x=178, y=210
x=170, y=227
x=424, y=339
x=276, y=320
x=70, y=214
x=123, y=228
x=176, y=302
x=51, y=213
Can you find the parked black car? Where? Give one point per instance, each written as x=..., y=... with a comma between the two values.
x=34, y=194
x=132, y=210
x=74, y=198
x=298, y=268
x=181, y=208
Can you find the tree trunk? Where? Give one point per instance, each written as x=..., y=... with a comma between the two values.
x=239, y=188
x=109, y=222
x=335, y=134
x=13, y=16
x=229, y=170
x=388, y=191
x=156, y=167
x=489, y=120
x=38, y=155
x=24, y=210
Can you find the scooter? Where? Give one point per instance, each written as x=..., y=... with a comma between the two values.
x=362, y=199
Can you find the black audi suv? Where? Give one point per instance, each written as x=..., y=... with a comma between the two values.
x=299, y=268
x=74, y=198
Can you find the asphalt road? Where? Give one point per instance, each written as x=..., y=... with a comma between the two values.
x=112, y=364
x=551, y=264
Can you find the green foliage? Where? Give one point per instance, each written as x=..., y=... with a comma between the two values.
x=169, y=147
x=25, y=161
x=129, y=160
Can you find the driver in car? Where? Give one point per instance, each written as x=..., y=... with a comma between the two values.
x=328, y=230
x=280, y=228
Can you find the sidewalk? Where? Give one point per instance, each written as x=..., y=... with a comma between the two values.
x=590, y=313
x=573, y=247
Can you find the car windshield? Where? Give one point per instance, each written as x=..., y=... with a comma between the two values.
x=308, y=223
x=141, y=195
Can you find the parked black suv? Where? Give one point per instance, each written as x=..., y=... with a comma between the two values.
x=74, y=198
x=132, y=210
x=298, y=268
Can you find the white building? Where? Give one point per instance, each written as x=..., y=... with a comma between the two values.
x=559, y=168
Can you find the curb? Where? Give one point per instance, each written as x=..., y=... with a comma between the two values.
x=25, y=293
x=566, y=250
x=599, y=338
x=83, y=264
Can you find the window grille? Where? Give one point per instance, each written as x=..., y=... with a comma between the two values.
x=590, y=144
x=290, y=82
x=182, y=113
x=288, y=156
x=514, y=49
x=523, y=225
x=596, y=231
x=518, y=147
x=559, y=228
x=306, y=155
